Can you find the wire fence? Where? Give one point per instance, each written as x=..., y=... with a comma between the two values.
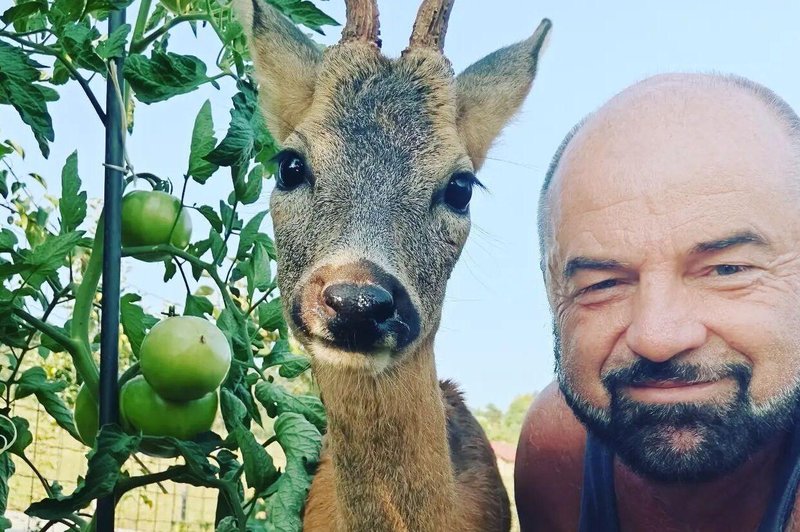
x=164, y=507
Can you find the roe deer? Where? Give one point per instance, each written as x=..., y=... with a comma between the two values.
x=371, y=211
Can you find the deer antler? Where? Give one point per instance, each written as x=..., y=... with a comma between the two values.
x=431, y=24
x=362, y=22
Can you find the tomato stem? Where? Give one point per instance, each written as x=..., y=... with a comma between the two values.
x=81, y=316
x=188, y=257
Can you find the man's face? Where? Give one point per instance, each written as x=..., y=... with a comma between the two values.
x=674, y=275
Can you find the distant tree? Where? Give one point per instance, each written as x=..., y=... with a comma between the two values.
x=504, y=426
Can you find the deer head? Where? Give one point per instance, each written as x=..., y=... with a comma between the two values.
x=371, y=204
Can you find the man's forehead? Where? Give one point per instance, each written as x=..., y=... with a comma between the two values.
x=674, y=135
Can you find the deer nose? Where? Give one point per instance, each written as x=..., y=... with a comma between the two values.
x=359, y=302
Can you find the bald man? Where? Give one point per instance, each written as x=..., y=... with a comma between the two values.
x=670, y=237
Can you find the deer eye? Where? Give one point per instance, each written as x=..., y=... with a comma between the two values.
x=459, y=191
x=292, y=171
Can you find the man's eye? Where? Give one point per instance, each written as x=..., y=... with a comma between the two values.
x=602, y=285
x=729, y=269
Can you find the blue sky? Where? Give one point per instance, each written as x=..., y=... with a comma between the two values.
x=495, y=334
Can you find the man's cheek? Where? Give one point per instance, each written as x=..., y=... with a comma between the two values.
x=581, y=372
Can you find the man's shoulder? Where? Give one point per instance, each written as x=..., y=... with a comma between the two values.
x=549, y=464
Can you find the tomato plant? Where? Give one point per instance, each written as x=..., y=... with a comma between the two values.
x=86, y=416
x=143, y=409
x=184, y=358
x=153, y=217
x=50, y=267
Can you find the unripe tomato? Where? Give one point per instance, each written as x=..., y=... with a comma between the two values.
x=148, y=218
x=86, y=416
x=184, y=357
x=141, y=408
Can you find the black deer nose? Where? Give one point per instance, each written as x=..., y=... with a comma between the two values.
x=359, y=302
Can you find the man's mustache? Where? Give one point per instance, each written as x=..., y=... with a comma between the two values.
x=643, y=371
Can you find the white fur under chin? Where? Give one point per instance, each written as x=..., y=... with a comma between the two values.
x=374, y=363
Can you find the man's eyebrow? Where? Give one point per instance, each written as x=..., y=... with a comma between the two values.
x=587, y=263
x=736, y=239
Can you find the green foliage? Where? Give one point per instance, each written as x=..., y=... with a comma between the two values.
x=48, y=264
x=18, y=87
x=163, y=75
x=504, y=426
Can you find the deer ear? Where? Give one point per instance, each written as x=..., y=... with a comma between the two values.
x=492, y=90
x=285, y=61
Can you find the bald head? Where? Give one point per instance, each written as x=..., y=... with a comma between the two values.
x=702, y=109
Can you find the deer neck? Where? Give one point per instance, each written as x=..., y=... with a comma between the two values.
x=387, y=440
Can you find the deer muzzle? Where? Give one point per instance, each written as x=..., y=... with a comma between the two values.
x=356, y=307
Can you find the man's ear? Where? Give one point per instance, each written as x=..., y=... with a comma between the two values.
x=492, y=90
x=286, y=63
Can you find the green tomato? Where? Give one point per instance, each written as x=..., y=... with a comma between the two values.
x=185, y=357
x=87, y=416
x=148, y=218
x=142, y=409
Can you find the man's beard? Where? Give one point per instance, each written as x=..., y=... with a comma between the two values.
x=681, y=442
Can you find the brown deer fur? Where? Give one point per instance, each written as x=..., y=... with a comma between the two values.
x=380, y=139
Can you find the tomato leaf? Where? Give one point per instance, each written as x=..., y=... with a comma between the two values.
x=211, y=215
x=170, y=269
x=302, y=443
x=101, y=8
x=248, y=234
x=218, y=247
x=34, y=381
x=112, y=449
x=230, y=221
x=259, y=470
x=232, y=408
x=291, y=363
x=232, y=325
x=72, y=204
x=62, y=12
x=7, y=240
x=51, y=255
x=135, y=322
x=237, y=146
x=163, y=75
x=270, y=317
x=197, y=306
x=203, y=141
x=305, y=13
x=17, y=88
x=24, y=436
x=292, y=368
x=23, y=10
x=278, y=401
x=114, y=45
x=78, y=41
x=262, y=273
x=249, y=190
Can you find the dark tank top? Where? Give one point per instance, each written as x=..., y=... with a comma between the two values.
x=599, y=504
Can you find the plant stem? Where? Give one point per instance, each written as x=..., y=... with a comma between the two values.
x=260, y=300
x=81, y=315
x=46, y=486
x=140, y=45
x=141, y=22
x=53, y=304
x=127, y=484
x=46, y=50
x=69, y=343
x=188, y=257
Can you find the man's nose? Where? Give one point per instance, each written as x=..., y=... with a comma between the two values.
x=664, y=323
